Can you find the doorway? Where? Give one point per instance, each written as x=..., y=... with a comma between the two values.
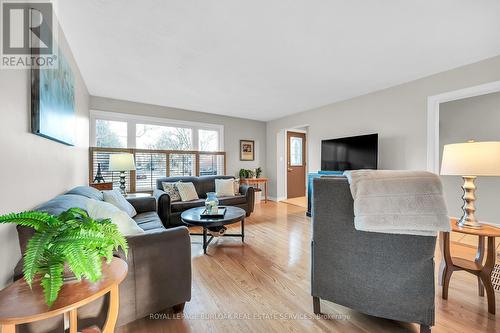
x=296, y=164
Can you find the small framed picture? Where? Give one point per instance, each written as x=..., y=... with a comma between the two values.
x=247, y=150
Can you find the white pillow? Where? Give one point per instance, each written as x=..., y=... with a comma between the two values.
x=99, y=210
x=116, y=198
x=237, y=186
x=224, y=187
x=172, y=191
x=187, y=191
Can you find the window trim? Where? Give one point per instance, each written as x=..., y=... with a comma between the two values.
x=132, y=120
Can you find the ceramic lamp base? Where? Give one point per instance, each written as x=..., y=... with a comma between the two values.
x=123, y=188
x=468, y=219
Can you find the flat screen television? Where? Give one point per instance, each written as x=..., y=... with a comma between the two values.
x=350, y=153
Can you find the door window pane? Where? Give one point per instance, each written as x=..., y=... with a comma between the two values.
x=208, y=140
x=163, y=137
x=295, y=151
x=111, y=134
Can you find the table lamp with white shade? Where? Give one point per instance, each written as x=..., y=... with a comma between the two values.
x=469, y=160
x=121, y=163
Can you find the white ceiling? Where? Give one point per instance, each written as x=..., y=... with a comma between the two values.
x=265, y=59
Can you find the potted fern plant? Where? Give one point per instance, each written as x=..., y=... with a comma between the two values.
x=72, y=240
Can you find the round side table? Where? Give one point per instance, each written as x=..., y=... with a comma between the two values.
x=476, y=267
x=20, y=305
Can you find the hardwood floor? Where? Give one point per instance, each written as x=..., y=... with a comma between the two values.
x=263, y=286
x=300, y=201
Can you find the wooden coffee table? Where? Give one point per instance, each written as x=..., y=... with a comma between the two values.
x=191, y=217
x=20, y=305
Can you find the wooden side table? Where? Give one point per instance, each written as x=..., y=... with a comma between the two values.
x=108, y=186
x=476, y=267
x=20, y=305
x=257, y=182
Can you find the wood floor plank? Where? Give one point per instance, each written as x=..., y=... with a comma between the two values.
x=264, y=286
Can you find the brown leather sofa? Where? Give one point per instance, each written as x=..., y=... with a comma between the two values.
x=159, y=265
x=170, y=212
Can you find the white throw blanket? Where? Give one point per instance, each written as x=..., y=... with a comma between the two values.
x=398, y=202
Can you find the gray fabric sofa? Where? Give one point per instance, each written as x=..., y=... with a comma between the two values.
x=159, y=264
x=170, y=212
x=383, y=275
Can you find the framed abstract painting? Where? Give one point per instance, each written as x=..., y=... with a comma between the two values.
x=53, y=102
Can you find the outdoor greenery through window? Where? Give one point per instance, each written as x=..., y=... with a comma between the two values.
x=208, y=140
x=114, y=130
x=164, y=137
x=111, y=134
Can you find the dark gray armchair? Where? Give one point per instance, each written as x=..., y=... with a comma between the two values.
x=383, y=275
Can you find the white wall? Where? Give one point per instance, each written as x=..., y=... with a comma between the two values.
x=34, y=169
x=235, y=129
x=398, y=114
x=476, y=118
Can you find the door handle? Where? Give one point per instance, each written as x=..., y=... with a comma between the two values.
x=290, y=169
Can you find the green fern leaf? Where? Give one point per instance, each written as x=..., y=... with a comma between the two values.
x=35, y=220
x=52, y=281
x=94, y=269
x=35, y=249
x=77, y=259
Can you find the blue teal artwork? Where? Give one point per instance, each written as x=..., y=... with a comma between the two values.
x=53, y=102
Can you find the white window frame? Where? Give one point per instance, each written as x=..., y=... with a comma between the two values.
x=132, y=120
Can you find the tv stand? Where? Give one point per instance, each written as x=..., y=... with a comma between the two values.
x=310, y=177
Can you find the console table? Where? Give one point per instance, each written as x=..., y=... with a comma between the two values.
x=256, y=182
x=476, y=267
x=20, y=305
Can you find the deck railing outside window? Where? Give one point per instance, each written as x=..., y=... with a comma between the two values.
x=154, y=164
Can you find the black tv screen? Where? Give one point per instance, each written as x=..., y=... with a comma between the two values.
x=351, y=153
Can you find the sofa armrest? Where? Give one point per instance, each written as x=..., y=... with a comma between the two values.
x=249, y=192
x=163, y=206
x=143, y=205
x=160, y=264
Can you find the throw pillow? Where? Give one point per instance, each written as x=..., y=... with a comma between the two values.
x=237, y=186
x=224, y=187
x=172, y=191
x=103, y=210
x=186, y=191
x=116, y=198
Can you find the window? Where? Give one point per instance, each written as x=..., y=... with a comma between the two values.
x=211, y=165
x=119, y=130
x=111, y=134
x=149, y=167
x=163, y=137
x=161, y=148
x=182, y=165
x=208, y=140
x=295, y=151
